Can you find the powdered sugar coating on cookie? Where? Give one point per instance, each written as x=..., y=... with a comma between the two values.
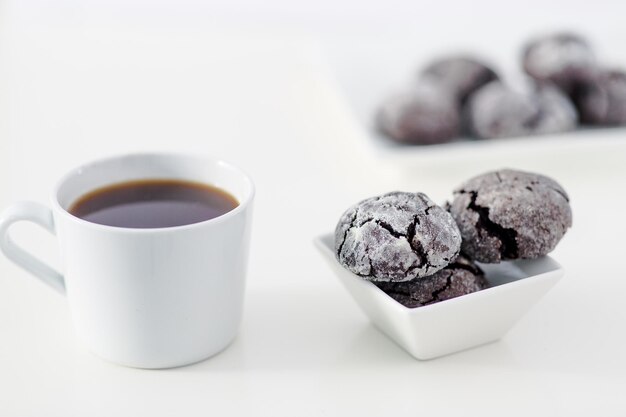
x=397, y=236
x=510, y=214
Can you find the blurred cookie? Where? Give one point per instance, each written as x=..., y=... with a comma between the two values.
x=497, y=110
x=425, y=115
x=397, y=236
x=602, y=101
x=556, y=111
x=462, y=75
x=564, y=59
x=459, y=278
x=510, y=214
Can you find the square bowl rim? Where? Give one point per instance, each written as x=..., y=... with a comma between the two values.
x=321, y=242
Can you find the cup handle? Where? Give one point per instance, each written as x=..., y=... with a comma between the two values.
x=42, y=216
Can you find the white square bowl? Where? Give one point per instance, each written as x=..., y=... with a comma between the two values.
x=459, y=323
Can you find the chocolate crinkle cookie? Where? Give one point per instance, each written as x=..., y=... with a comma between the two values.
x=568, y=61
x=462, y=75
x=425, y=114
x=564, y=59
x=496, y=110
x=510, y=214
x=556, y=112
x=602, y=101
x=396, y=237
x=459, y=278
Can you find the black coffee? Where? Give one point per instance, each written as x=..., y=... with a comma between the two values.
x=146, y=204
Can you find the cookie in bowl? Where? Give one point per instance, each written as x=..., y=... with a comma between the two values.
x=458, y=323
x=461, y=277
x=509, y=214
x=398, y=255
x=398, y=236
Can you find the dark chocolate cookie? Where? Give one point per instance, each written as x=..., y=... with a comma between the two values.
x=564, y=59
x=602, y=101
x=510, y=214
x=459, y=278
x=397, y=236
x=428, y=114
x=497, y=110
x=462, y=75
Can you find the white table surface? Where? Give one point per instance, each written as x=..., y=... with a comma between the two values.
x=304, y=349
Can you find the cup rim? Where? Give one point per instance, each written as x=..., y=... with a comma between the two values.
x=246, y=201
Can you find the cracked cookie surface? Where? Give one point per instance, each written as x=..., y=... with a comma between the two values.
x=459, y=278
x=396, y=237
x=510, y=214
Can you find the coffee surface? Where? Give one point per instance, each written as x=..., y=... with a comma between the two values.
x=153, y=203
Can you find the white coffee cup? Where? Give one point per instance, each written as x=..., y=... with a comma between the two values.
x=146, y=298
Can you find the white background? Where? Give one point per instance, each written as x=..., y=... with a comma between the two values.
x=253, y=82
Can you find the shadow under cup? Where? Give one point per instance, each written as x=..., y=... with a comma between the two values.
x=162, y=297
